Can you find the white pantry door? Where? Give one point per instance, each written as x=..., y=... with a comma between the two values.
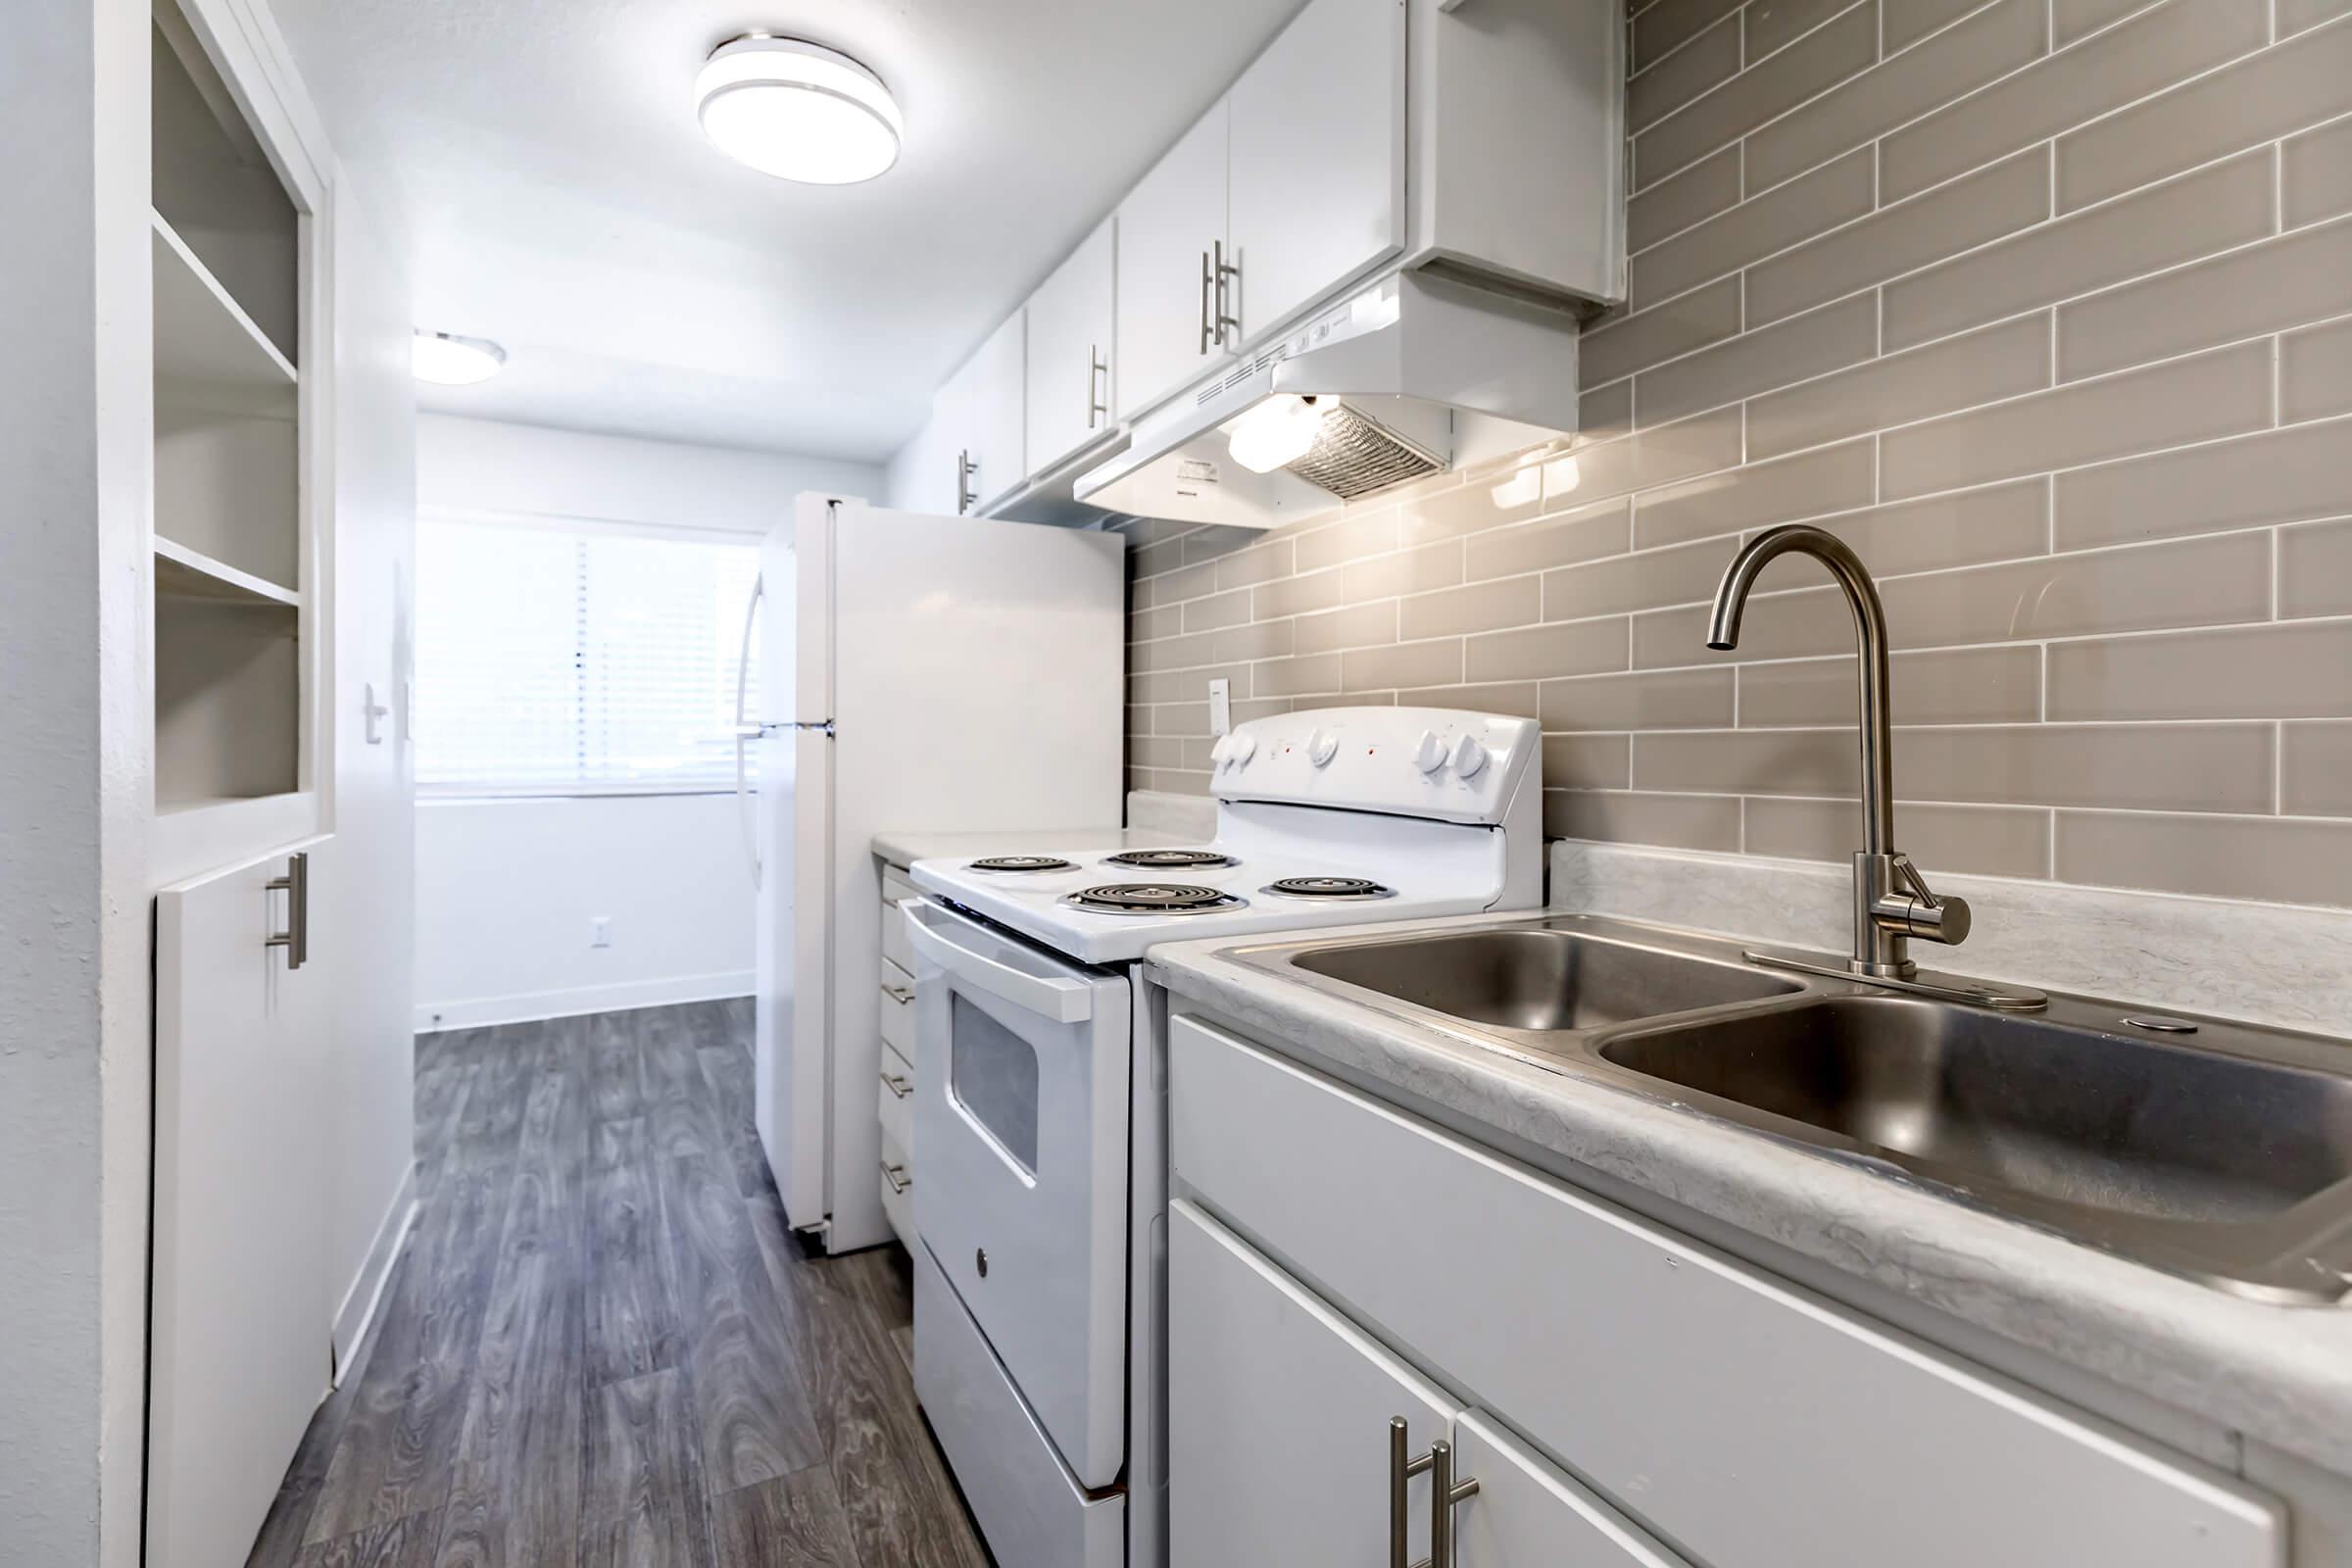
x=241, y=1328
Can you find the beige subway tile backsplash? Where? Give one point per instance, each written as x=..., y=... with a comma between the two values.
x=1813, y=344
x=2163, y=44
x=1674, y=821
x=2302, y=277
x=2314, y=769
x=1830, y=479
x=2315, y=372
x=2268, y=95
x=2003, y=361
x=2194, y=215
x=1835, y=193
x=2291, y=671
x=2315, y=570
x=2318, y=174
x=1971, y=210
x=2042, y=306
x=1991, y=43
x=1944, y=686
x=2196, y=399
x=1985, y=840
x=2279, y=862
x=2275, y=476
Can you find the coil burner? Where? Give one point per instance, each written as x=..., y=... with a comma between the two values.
x=1333, y=889
x=1169, y=860
x=1022, y=864
x=1153, y=897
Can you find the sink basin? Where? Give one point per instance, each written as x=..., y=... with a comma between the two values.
x=2073, y=1116
x=1541, y=980
x=2221, y=1153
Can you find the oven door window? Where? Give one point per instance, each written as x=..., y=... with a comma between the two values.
x=993, y=1072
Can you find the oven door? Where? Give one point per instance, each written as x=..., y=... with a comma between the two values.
x=1021, y=1116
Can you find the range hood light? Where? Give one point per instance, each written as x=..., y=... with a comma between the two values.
x=1276, y=433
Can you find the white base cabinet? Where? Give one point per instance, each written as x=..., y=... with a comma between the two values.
x=1279, y=1442
x=242, y=1351
x=1742, y=1421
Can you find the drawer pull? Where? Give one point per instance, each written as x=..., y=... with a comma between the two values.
x=1446, y=1492
x=897, y=1176
x=899, y=992
x=898, y=1084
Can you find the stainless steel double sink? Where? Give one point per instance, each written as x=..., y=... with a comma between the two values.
x=2214, y=1149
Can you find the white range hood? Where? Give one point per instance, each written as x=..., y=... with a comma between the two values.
x=1413, y=373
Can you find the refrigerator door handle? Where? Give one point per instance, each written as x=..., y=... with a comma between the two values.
x=746, y=731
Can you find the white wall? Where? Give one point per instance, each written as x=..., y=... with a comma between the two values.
x=75, y=447
x=366, y=878
x=506, y=888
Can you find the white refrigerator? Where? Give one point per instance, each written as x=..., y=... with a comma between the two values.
x=917, y=674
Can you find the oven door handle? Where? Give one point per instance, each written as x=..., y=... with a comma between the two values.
x=1061, y=998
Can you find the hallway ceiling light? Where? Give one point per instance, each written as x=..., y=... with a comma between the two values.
x=448, y=359
x=798, y=111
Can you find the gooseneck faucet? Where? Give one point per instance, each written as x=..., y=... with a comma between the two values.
x=1892, y=903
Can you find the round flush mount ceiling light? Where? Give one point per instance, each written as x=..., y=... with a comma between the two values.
x=798, y=111
x=448, y=359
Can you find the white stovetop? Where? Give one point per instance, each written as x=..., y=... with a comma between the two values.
x=1435, y=868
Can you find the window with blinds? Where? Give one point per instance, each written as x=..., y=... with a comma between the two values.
x=577, y=660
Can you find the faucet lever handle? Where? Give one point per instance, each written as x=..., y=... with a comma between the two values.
x=1907, y=874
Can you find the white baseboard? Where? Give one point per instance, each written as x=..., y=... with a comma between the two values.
x=367, y=1291
x=475, y=1012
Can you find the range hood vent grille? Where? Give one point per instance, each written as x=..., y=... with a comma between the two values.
x=1356, y=454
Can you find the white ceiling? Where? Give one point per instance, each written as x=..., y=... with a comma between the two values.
x=560, y=198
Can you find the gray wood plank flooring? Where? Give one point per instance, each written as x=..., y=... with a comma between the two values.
x=601, y=1347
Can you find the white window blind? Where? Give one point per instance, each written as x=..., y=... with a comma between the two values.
x=577, y=660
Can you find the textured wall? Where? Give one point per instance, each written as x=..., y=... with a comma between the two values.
x=2046, y=307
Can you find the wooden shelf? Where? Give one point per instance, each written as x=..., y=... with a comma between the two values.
x=184, y=574
x=205, y=340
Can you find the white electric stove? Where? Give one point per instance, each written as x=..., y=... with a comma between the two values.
x=1040, y=1095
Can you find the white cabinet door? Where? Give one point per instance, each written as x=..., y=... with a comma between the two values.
x=1526, y=1512
x=1278, y=1415
x=1317, y=166
x=956, y=426
x=921, y=476
x=241, y=1328
x=1169, y=227
x=1070, y=366
x=998, y=389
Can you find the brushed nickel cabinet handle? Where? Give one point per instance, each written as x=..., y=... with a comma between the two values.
x=1225, y=319
x=1097, y=404
x=898, y=1083
x=1205, y=285
x=296, y=885
x=965, y=468
x=898, y=993
x=897, y=1176
x=1445, y=1492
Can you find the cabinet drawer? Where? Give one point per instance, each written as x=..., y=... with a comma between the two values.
x=898, y=1000
x=897, y=1177
x=893, y=1098
x=1526, y=1512
x=1748, y=1421
x=895, y=945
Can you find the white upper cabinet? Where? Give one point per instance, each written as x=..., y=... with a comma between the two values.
x=999, y=386
x=1171, y=229
x=1316, y=170
x=1071, y=369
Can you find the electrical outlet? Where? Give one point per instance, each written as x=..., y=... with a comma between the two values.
x=1220, y=707
x=599, y=931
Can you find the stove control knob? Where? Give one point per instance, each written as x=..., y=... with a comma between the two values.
x=1429, y=752
x=1469, y=755
x=1241, y=746
x=1321, y=747
x=1221, y=753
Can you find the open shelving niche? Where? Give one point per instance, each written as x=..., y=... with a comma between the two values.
x=233, y=666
